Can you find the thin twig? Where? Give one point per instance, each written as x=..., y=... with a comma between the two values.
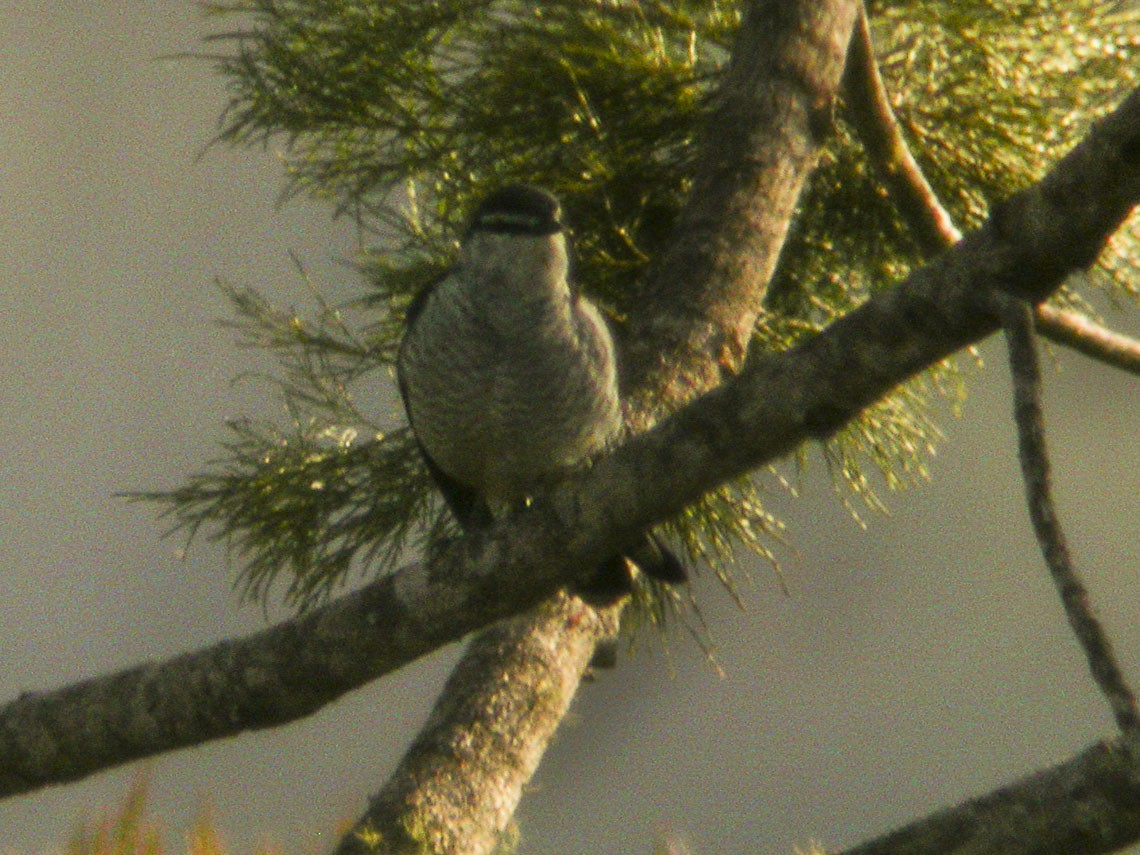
x=872, y=117
x=1017, y=324
x=871, y=114
x=1088, y=337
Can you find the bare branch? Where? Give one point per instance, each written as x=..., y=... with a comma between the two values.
x=1030, y=244
x=272, y=677
x=1017, y=322
x=1090, y=804
x=871, y=114
x=1088, y=337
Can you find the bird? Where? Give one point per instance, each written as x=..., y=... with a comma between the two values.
x=508, y=374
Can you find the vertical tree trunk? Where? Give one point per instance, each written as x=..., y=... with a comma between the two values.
x=457, y=787
x=459, y=784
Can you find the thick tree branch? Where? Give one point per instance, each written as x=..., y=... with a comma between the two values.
x=1027, y=247
x=762, y=142
x=1090, y=804
x=699, y=306
x=931, y=224
x=269, y=678
x=457, y=787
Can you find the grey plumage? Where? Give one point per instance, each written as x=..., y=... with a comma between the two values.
x=508, y=374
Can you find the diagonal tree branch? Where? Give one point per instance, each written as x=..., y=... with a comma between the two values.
x=457, y=787
x=871, y=114
x=931, y=224
x=1089, y=804
x=1027, y=247
x=1084, y=335
x=702, y=296
x=269, y=678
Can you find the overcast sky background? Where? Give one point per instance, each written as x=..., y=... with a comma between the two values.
x=914, y=664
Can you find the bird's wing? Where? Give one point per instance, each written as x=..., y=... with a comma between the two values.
x=465, y=502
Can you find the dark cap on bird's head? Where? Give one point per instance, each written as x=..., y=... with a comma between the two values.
x=518, y=209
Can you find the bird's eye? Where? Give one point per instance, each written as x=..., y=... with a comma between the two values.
x=503, y=221
x=518, y=210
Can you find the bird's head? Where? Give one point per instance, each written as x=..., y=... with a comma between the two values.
x=517, y=231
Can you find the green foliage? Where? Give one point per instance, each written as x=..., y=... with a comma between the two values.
x=314, y=499
x=404, y=113
x=1006, y=87
x=441, y=102
x=309, y=502
x=127, y=830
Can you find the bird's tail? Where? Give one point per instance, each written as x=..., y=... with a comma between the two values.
x=658, y=561
x=649, y=555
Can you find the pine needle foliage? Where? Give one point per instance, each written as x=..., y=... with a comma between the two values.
x=403, y=113
x=129, y=830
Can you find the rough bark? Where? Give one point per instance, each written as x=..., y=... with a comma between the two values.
x=773, y=110
x=1090, y=804
x=779, y=400
x=457, y=787
x=1026, y=248
x=692, y=327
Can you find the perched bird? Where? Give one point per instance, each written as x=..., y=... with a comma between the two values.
x=508, y=373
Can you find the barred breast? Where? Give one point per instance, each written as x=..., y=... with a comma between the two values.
x=502, y=395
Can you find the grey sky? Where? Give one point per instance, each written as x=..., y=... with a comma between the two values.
x=914, y=664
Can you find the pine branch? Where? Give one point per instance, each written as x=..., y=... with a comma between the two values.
x=1030, y=244
x=931, y=224
x=789, y=54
